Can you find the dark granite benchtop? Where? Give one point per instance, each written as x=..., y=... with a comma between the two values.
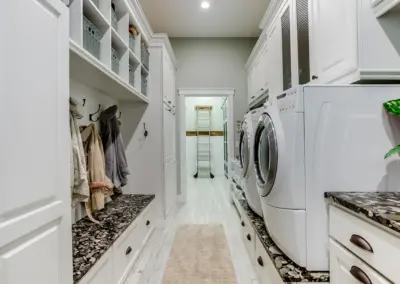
x=380, y=207
x=90, y=241
x=287, y=269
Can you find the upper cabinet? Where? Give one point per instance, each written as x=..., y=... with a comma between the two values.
x=325, y=42
x=108, y=51
x=349, y=44
x=334, y=30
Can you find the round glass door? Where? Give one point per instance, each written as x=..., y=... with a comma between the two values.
x=265, y=154
x=244, y=151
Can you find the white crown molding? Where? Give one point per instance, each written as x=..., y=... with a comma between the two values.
x=162, y=40
x=218, y=92
x=270, y=14
x=256, y=50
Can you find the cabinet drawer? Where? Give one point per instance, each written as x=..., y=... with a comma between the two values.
x=125, y=251
x=346, y=268
x=266, y=270
x=378, y=248
x=249, y=237
x=101, y=272
x=147, y=223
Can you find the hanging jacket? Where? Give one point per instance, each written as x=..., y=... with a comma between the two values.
x=79, y=181
x=116, y=164
x=100, y=186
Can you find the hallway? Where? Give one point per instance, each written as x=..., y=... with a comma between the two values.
x=207, y=203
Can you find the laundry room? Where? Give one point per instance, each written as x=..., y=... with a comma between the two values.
x=201, y=141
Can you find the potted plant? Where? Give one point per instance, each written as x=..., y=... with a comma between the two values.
x=393, y=107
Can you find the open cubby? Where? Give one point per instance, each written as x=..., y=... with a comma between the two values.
x=100, y=37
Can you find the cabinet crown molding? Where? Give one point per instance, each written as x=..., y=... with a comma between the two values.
x=162, y=40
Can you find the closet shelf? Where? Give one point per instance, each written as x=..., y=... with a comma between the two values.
x=94, y=14
x=87, y=69
x=133, y=57
x=145, y=72
x=118, y=42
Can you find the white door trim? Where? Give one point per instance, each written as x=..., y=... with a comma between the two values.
x=197, y=92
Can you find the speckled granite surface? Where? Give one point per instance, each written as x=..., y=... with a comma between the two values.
x=90, y=241
x=287, y=269
x=381, y=207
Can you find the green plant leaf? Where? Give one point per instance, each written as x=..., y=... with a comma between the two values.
x=395, y=150
x=392, y=107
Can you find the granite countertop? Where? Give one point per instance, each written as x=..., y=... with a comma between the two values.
x=381, y=207
x=287, y=269
x=90, y=241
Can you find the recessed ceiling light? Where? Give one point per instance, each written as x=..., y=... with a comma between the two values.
x=205, y=4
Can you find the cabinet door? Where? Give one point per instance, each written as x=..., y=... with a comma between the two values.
x=170, y=186
x=346, y=268
x=334, y=37
x=251, y=88
x=35, y=206
x=274, y=70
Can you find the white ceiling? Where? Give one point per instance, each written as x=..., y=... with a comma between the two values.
x=225, y=18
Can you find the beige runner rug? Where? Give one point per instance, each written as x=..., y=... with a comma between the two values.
x=200, y=255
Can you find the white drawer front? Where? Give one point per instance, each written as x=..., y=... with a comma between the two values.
x=266, y=270
x=147, y=222
x=101, y=272
x=249, y=237
x=346, y=268
x=358, y=236
x=125, y=250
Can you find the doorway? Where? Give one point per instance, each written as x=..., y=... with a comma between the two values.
x=206, y=135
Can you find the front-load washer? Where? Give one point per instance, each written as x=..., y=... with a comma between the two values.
x=246, y=160
x=316, y=139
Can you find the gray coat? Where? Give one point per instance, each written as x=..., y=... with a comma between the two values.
x=114, y=151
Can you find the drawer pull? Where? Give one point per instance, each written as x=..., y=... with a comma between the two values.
x=128, y=250
x=361, y=243
x=147, y=222
x=360, y=275
x=249, y=237
x=260, y=261
x=242, y=224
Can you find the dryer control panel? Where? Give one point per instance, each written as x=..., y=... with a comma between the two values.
x=291, y=100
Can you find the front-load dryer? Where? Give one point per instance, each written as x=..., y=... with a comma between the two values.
x=316, y=139
x=246, y=160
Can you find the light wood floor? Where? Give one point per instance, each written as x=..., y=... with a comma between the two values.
x=207, y=203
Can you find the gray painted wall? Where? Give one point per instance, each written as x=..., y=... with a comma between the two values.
x=214, y=63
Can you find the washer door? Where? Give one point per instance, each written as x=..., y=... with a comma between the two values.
x=265, y=154
x=244, y=150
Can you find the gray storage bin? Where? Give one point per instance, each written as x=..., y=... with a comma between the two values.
x=114, y=61
x=144, y=85
x=145, y=56
x=91, y=38
x=131, y=74
x=132, y=42
x=114, y=20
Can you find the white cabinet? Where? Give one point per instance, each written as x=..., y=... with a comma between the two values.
x=257, y=75
x=346, y=268
x=335, y=39
x=164, y=96
x=274, y=70
x=115, y=265
x=349, y=44
x=35, y=205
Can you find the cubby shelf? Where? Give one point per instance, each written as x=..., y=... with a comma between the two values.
x=92, y=41
x=85, y=68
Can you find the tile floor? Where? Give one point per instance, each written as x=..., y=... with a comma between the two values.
x=208, y=202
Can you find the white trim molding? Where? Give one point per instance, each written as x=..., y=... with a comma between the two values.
x=221, y=92
x=162, y=40
x=193, y=92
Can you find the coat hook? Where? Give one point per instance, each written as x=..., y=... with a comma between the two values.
x=146, y=133
x=120, y=114
x=91, y=115
x=84, y=102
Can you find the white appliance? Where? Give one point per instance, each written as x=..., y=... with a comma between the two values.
x=246, y=147
x=313, y=139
